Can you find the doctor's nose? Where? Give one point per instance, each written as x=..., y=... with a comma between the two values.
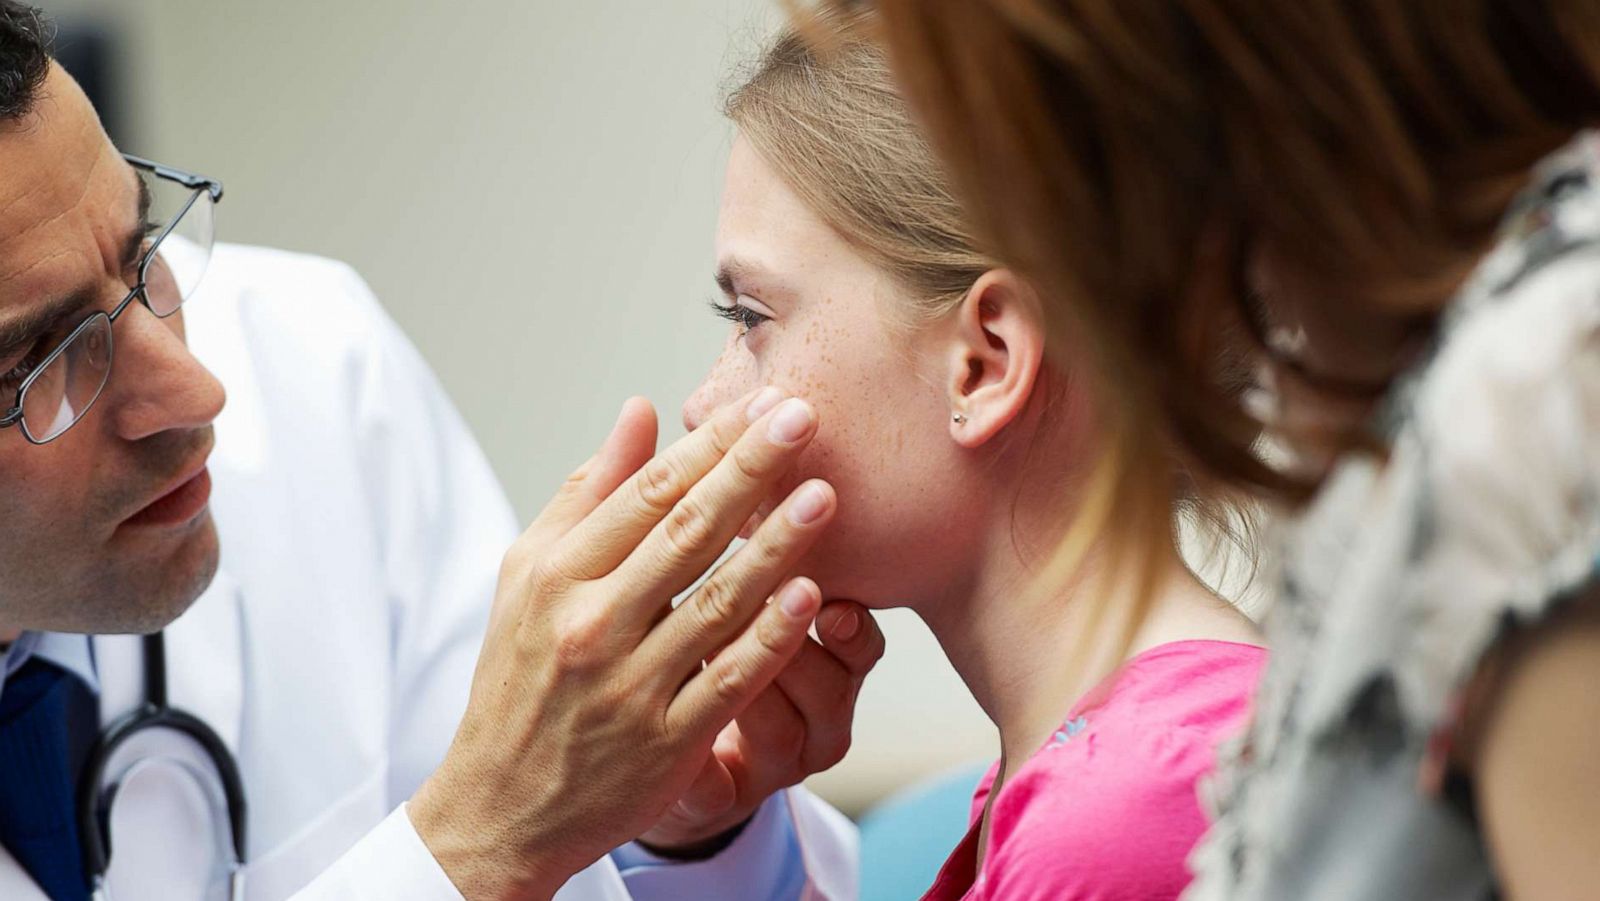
x=156, y=384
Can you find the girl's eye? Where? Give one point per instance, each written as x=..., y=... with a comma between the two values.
x=740, y=315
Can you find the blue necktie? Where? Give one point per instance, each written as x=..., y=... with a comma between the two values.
x=48, y=721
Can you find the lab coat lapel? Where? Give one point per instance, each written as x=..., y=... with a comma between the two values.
x=204, y=664
x=205, y=668
x=15, y=884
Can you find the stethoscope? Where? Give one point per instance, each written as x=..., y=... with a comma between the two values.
x=98, y=785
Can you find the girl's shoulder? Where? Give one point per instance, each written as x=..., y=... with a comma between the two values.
x=1109, y=806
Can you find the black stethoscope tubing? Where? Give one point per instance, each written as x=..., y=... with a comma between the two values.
x=94, y=802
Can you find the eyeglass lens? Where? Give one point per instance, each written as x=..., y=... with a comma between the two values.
x=70, y=381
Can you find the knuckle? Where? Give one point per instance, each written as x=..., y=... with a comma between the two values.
x=772, y=637
x=576, y=480
x=831, y=752
x=688, y=528
x=877, y=654
x=752, y=464
x=579, y=639
x=768, y=551
x=731, y=682
x=515, y=564
x=523, y=562
x=543, y=576
x=879, y=646
x=727, y=427
x=716, y=602
x=657, y=485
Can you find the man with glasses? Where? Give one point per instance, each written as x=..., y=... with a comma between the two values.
x=290, y=734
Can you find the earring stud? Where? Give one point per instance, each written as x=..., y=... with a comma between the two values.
x=959, y=418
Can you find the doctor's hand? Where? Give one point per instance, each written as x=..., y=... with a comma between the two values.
x=798, y=726
x=591, y=712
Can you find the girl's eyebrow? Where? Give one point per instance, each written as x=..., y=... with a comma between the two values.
x=733, y=270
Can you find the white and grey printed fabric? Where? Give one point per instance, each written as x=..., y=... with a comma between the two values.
x=1404, y=572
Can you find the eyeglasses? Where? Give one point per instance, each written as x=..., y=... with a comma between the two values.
x=67, y=380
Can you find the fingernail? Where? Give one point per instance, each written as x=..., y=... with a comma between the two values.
x=797, y=601
x=810, y=505
x=791, y=421
x=765, y=399
x=848, y=626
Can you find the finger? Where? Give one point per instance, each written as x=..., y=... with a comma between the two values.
x=677, y=551
x=717, y=611
x=771, y=731
x=822, y=692
x=851, y=634
x=615, y=526
x=729, y=683
x=712, y=793
x=701, y=524
x=630, y=444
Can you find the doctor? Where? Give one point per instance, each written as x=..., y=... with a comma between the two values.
x=294, y=732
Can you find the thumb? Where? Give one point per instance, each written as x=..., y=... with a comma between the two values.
x=630, y=445
x=711, y=794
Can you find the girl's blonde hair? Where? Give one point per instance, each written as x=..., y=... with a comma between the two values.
x=1132, y=157
x=822, y=107
x=838, y=132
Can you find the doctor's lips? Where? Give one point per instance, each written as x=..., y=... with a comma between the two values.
x=182, y=500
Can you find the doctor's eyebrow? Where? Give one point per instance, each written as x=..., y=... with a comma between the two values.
x=133, y=242
x=20, y=331
x=25, y=328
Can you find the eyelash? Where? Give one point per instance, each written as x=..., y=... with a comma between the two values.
x=739, y=314
x=12, y=381
x=147, y=230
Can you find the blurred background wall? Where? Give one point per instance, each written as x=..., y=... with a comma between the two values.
x=531, y=188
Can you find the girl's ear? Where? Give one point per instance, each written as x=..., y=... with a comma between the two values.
x=996, y=350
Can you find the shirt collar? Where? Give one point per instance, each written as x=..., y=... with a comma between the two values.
x=71, y=652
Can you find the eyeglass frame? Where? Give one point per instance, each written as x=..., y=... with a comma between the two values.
x=196, y=184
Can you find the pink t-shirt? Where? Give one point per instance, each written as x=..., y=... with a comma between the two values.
x=1108, y=808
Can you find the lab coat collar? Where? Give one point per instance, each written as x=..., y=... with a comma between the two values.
x=205, y=665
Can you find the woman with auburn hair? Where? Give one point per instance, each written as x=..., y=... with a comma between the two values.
x=1398, y=199
x=958, y=452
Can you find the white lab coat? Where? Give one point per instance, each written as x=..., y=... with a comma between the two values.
x=362, y=532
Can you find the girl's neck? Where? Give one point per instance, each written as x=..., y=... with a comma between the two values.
x=1022, y=653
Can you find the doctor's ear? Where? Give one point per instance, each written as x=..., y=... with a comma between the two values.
x=996, y=350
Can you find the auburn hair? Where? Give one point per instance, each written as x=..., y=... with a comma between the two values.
x=822, y=107
x=1132, y=158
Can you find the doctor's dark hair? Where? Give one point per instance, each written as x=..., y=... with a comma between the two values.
x=24, y=57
